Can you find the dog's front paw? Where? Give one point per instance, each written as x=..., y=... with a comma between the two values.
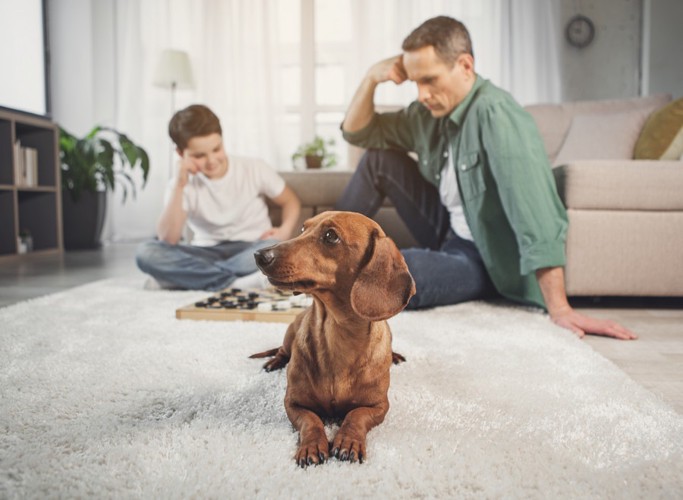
x=313, y=452
x=349, y=446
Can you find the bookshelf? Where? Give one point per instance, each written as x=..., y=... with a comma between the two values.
x=30, y=198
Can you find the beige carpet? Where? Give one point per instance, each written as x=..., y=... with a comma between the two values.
x=104, y=394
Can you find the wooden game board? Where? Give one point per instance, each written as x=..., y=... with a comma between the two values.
x=246, y=305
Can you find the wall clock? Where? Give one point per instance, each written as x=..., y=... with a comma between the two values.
x=579, y=31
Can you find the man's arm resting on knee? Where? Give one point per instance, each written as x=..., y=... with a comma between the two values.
x=551, y=282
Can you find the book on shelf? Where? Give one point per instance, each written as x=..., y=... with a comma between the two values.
x=18, y=158
x=25, y=165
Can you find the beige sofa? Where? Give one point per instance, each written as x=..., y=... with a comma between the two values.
x=625, y=233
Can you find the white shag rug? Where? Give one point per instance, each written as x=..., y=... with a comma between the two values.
x=104, y=394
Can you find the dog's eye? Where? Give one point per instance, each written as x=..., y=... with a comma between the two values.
x=331, y=237
x=302, y=229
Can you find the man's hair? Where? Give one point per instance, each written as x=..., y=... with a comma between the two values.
x=448, y=36
x=194, y=121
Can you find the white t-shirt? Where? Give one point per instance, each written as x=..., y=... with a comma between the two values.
x=450, y=198
x=232, y=207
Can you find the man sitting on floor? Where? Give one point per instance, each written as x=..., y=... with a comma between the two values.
x=481, y=201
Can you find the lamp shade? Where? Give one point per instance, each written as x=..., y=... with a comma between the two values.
x=174, y=68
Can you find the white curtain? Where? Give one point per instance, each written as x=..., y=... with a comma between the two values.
x=234, y=55
x=530, y=50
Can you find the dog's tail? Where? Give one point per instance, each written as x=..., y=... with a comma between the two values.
x=265, y=354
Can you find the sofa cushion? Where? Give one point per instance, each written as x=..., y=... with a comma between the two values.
x=553, y=120
x=662, y=135
x=603, y=136
x=621, y=252
x=617, y=185
x=317, y=187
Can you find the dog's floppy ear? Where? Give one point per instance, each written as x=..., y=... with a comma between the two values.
x=384, y=286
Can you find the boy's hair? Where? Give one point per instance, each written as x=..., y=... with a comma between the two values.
x=196, y=120
x=448, y=36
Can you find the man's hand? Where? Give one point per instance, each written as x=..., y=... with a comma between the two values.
x=581, y=325
x=551, y=282
x=388, y=69
x=362, y=107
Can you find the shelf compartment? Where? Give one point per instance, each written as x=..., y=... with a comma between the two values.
x=8, y=230
x=42, y=139
x=37, y=214
x=37, y=208
x=6, y=165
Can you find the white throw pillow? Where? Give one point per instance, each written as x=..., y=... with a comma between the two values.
x=606, y=136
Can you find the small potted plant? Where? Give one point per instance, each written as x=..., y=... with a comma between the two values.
x=99, y=162
x=25, y=241
x=317, y=153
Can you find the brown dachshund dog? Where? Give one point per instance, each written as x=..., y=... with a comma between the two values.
x=339, y=349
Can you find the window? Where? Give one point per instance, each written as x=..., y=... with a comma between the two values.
x=315, y=41
x=327, y=46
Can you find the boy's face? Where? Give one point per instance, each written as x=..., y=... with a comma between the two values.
x=440, y=86
x=207, y=155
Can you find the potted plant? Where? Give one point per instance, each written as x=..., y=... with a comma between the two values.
x=99, y=162
x=317, y=153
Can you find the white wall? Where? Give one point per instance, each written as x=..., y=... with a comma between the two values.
x=663, y=44
x=82, y=70
x=71, y=68
x=610, y=66
x=83, y=63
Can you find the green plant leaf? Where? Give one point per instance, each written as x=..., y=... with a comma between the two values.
x=130, y=182
x=318, y=146
x=144, y=164
x=103, y=158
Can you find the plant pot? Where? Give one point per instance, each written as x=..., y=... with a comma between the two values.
x=314, y=161
x=82, y=220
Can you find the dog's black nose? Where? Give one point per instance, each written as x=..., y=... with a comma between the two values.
x=264, y=257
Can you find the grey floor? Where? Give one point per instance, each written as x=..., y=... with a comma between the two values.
x=655, y=360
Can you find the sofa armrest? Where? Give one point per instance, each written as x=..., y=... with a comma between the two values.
x=621, y=184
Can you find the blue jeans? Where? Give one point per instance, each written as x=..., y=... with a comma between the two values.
x=199, y=268
x=447, y=269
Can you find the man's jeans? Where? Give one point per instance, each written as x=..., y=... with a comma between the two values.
x=199, y=268
x=447, y=269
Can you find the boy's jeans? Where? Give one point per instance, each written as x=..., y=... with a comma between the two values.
x=199, y=268
x=447, y=269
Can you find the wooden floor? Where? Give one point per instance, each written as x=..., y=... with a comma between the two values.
x=655, y=360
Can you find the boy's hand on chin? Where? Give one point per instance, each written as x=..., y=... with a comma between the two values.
x=186, y=167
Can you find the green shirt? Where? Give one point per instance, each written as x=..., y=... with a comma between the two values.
x=506, y=184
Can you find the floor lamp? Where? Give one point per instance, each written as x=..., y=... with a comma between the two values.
x=173, y=72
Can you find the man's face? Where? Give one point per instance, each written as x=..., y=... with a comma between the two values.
x=207, y=154
x=440, y=86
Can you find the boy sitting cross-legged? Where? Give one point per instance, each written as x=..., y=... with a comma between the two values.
x=222, y=199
